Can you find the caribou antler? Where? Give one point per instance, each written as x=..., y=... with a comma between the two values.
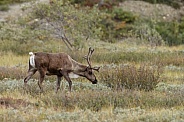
x=88, y=57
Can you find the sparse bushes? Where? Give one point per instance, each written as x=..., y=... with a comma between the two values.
x=121, y=15
x=4, y=7
x=171, y=32
x=78, y=24
x=14, y=73
x=69, y=23
x=148, y=34
x=145, y=77
x=20, y=38
x=117, y=25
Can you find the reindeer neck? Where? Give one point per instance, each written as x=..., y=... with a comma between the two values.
x=76, y=66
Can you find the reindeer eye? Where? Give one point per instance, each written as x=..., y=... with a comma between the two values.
x=90, y=73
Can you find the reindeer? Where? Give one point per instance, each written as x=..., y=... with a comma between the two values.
x=61, y=65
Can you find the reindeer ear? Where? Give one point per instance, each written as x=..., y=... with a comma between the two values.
x=86, y=69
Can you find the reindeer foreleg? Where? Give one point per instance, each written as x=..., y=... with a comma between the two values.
x=66, y=76
x=42, y=76
x=58, y=83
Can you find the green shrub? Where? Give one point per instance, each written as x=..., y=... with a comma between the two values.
x=116, y=25
x=4, y=7
x=121, y=15
x=20, y=38
x=171, y=32
x=81, y=23
x=144, y=77
x=65, y=19
x=146, y=31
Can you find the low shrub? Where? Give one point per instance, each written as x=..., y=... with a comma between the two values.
x=117, y=25
x=14, y=73
x=120, y=15
x=171, y=32
x=4, y=7
x=145, y=31
x=145, y=77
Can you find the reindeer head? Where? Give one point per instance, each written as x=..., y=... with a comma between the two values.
x=89, y=69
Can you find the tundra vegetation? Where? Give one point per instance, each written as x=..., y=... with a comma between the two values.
x=141, y=59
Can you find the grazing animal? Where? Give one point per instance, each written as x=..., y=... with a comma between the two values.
x=60, y=64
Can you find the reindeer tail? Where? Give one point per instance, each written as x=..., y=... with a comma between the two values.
x=31, y=59
x=31, y=53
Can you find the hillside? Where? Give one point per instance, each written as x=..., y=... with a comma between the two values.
x=138, y=20
x=16, y=10
x=159, y=12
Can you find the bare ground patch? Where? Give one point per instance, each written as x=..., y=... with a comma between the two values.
x=13, y=103
x=154, y=11
x=17, y=10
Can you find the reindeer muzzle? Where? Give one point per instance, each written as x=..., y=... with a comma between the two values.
x=94, y=82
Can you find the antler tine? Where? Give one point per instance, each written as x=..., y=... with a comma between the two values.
x=87, y=57
x=96, y=68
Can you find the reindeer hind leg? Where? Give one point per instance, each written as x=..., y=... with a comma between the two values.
x=30, y=74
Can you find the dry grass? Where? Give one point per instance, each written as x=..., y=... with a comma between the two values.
x=143, y=77
x=12, y=60
x=90, y=102
x=101, y=104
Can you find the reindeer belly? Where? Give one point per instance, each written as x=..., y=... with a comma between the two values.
x=53, y=72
